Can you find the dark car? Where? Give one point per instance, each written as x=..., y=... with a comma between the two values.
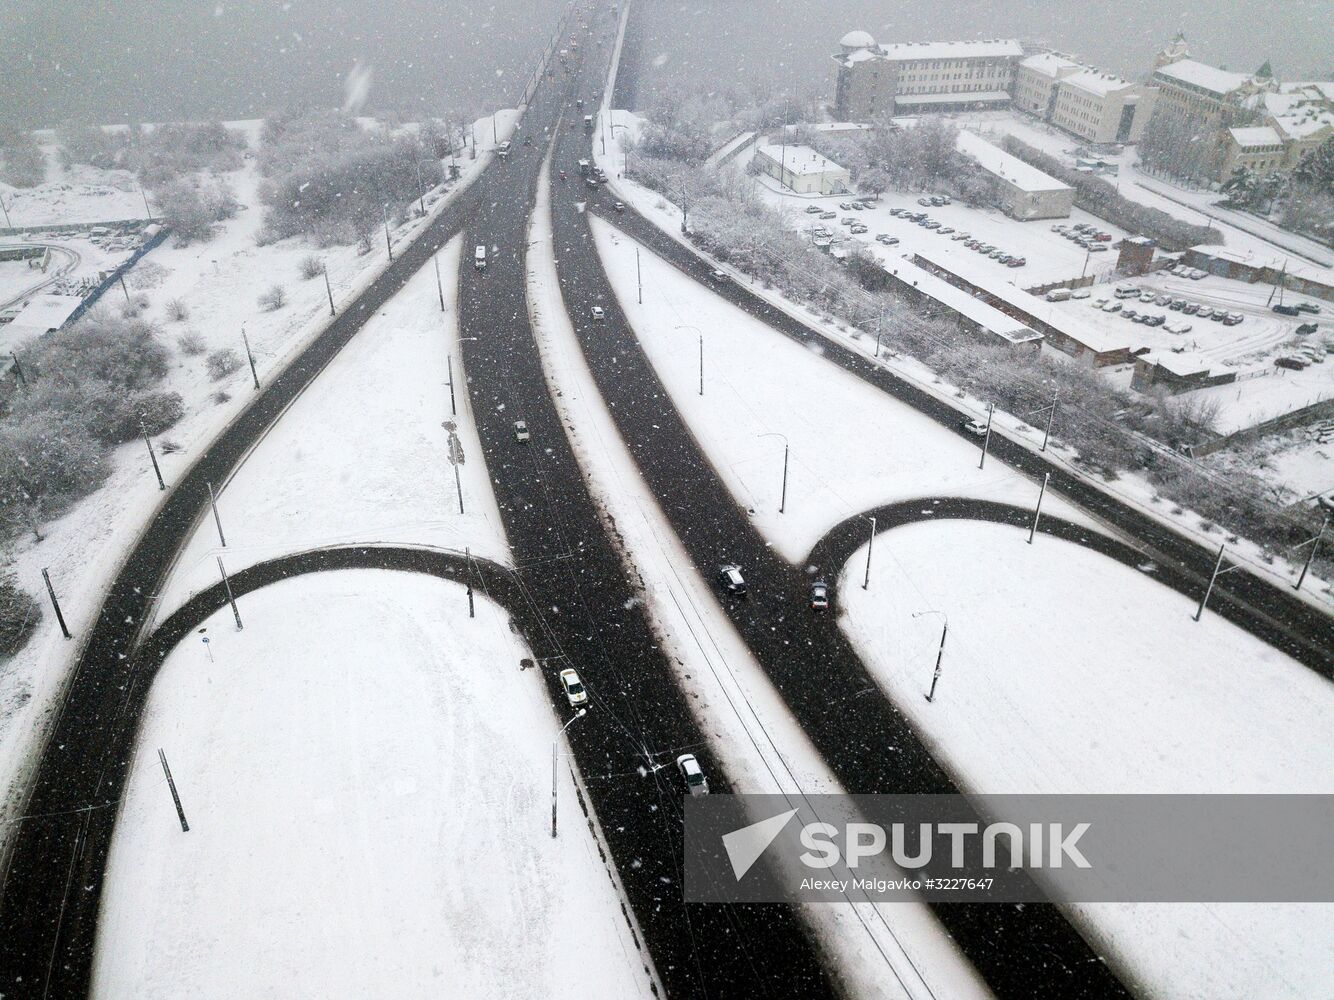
x=730, y=579
x=819, y=596
x=1286, y=310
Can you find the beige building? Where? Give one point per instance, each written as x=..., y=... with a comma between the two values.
x=801, y=169
x=1257, y=148
x=878, y=81
x=1035, y=80
x=1187, y=87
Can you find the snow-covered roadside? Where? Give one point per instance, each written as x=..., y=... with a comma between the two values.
x=851, y=447
x=1120, y=692
x=1130, y=488
x=366, y=454
x=219, y=281
x=887, y=950
x=366, y=773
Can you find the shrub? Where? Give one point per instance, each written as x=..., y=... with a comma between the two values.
x=193, y=209
x=275, y=298
x=311, y=266
x=20, y=615
x=168, y=152
x=156, y=411
x=21, y=162
x=125, y=354
x=47, y=462
x=222, y=363
x=177, y=311
x=191, y=344
x=221, y=396
x=91, y=145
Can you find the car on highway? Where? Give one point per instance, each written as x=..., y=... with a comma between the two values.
x=692, y=774
x=819, y=596
x=521, y=431
x=731, y=580
x=503, y=150
x=718, y=276
x=598, y=313
x=573, y=687
x=618, y=205
x=977, y=427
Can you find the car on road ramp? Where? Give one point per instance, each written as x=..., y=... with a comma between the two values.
x=731, y=580
x=819, y=596
x=521, y=431
x=598, y=312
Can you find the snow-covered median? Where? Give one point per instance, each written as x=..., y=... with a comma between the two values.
x=366, y=773
x=367, y=453
x=851, y=446
x=1066, y=672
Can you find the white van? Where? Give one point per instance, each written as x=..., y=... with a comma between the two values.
x=1126, y=291
x=1058, y=295
x=479, y=258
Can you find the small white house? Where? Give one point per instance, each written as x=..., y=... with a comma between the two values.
x=802, y=169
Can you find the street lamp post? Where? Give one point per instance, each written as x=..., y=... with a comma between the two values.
x=782, y=503
x=578, y=715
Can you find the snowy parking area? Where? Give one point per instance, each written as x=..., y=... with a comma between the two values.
x=1065, y=672
x=366, y=773
x=851, y=446
x=366, y=454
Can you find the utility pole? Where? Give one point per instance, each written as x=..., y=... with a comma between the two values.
x=870, y=547
x=55, y=604
x=328, y=288
x=877, y=337
x=121, y=278
x=1310, y=556
x=439, y=286
x=18, y=370
x=782, y=503
x=227, y=586
x=1210, y=589
x=986, y=441
x=495, y=139
x=152, y=457
x=384, y=210
x=213, y=502
x=145, y=197
x=639, y=277
x=578, y=715
x=250, y=356
x=449, y=360
x=458, y=485
x=685, y=210
x=9, y=224
x=940, y=655
x=1051, y=415
x=421, y=191
x=1037, y=512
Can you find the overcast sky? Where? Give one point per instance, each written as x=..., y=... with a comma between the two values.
x=165, y=59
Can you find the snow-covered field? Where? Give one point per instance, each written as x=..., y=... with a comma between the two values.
x=366, y=773
x=364, y=455
x=219, y=281
x=886, y=950
x=1118, y=690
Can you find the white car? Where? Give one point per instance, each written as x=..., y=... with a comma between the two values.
x=574, y=688
x=696, y=783
x=521, y=431
x=599, y=313
x=977, y=427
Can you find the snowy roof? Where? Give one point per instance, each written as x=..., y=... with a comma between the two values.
x=993, y=48
x=800, y=160
x=857, y=40
x=1000, y=163
x=1050, y=63
x=1304, y=122
x=1198, y=74
x=1311, y=89
x=1096, y=83
x=42, y=314
x=1249, y=138
x=844, y=127
x=959, y=301
x=959, y=95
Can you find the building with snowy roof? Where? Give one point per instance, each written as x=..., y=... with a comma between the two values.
x=1022, y=191
x=880, y=81
x=1188, y=88
x=42, y=314
x=1258, y=148
x=801, y=169
x=1095, y=106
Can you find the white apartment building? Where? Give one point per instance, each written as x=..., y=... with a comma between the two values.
x=879, y=81
x=1097, y=107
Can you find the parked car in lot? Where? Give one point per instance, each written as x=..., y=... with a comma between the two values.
x=945, y=230
x=1112, y=307
x=1196, y=274
x=1308, y=307
x=598, y=313
x=1292, y=363
x=886, y=239
x=731, y=580
x=1305, y=328
x=1097, y=248
x=858, y=230
x=819, y=596
x=573, y=687
x=1098, y=303
x=898, y=211
x=1147, y=296
x=847, y=220
x=692, y=774
x=845, y=206
x=1176, y=305
x=924, y=202
x=813, y=210
x=1157, y=319
x=977, y=427
x=1128, y=313
x=829, y=215
x=961, y=236
x=1178, y=328
x=1016, y=262
x=521, y=431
